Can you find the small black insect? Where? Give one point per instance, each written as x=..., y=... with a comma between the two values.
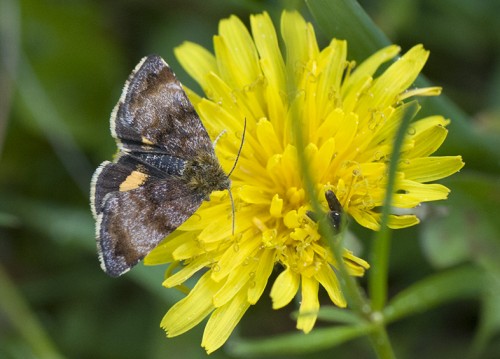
x=335, y=214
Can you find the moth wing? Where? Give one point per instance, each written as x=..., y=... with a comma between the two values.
x=131, y=223
x=155, y=114
x=128, y=172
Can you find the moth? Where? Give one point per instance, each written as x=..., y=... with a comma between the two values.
x=164, y=169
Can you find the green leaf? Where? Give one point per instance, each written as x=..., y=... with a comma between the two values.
x=464, y=234
x=477, y=198
x=462, y=282
x=489, y=323
x=346, y=19
x=470, y=230
x=444, y=238
x=298, y=343
x=15, y=308
x=338, y=315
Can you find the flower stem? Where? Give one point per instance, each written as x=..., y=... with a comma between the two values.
x=377, y=282
x=353, y=293
x=381, y=343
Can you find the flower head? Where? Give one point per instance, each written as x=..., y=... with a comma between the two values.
x=346, y=116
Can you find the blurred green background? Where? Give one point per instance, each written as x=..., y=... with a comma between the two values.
x=63, y=64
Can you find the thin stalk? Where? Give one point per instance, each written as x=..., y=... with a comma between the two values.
x=377, y=283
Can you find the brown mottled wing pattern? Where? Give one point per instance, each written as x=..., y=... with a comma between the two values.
x=132, y=223
x=141, y=197
x=154, y=114
x=116, y=176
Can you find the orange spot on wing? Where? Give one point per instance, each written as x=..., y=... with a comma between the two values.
x=134, y=180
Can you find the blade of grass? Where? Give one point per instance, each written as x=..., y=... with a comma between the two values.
x=377, y=283
x=16, y=309
x=346, y=19
x=53, y=127
x=462, y=282
x=9, y=53
x=298, y=343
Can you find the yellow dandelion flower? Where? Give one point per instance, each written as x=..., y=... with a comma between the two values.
x=347, y=117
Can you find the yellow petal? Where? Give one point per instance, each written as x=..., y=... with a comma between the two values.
x=262, y=273
x=355, y=266
x=284, y=288
x=216, y=231
x=309, y=306
x=329, y=93
x=236, y=255
x=368, y=68
x=345, y=134
x=327, y=278
x=266, y=42
x=236, y=53
x=192, y=96
x=367, y=219
x=275, y=100
x=428, y=135
x=235, y=282
x=216, y=117
x=254, y=194
x=425, y=91
x=404, y=221
x=361, y=78
x=268, y=139
x=222, y=322
x=416, y=193
x=429, y=169
x=384, y=134
x=300, y=42
x=196, y=60
x=292, y=219
x=398, y=77
x=276, y=206
x=191, y=310
x=187, y=271
x=163, y=252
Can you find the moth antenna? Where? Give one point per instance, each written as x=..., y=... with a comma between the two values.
x=232, y=169
x=239, y=150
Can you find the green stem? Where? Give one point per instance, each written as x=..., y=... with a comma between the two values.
x=353, y=293
x=348, y=285
x=357, y=302
x=381, y=343
x=377, y=283
x=16, y=309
